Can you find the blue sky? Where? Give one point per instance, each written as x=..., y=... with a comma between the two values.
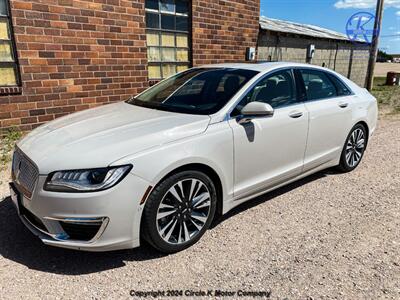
x=334, y=14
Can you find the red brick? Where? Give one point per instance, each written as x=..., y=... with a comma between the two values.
x=11, y=122
x=24, y=5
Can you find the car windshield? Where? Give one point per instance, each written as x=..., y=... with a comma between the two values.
x=200, y=91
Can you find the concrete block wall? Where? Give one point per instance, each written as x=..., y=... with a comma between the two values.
x=348, y=59
x=360, y=66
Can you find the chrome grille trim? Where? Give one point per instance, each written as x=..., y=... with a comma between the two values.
x=24, y=172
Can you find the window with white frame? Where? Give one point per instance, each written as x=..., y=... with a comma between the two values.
x=8, y=64
x=167, y=31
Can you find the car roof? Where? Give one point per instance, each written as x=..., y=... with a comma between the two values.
x=262, y=67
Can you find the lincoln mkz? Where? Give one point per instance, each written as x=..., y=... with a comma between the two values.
x=161, y=165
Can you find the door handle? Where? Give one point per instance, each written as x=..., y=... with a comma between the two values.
x=343, y=104
x=295, y=114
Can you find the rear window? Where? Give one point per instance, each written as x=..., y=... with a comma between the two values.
x=341, y=88
x=318, y=85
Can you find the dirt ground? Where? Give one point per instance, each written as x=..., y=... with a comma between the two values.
x=4, y=179
x=381, y=69
x=329, y=236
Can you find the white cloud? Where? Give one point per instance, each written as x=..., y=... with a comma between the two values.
x=365, y=3
x=363, y=19
x=398, y=13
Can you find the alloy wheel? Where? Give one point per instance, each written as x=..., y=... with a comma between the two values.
x=183, y=211
x=355, y=147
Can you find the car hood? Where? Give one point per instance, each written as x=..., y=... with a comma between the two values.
x=99, y=136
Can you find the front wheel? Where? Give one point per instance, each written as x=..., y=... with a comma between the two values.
x=354, y=148
x=179, y=210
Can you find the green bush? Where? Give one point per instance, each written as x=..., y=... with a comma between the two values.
x=7, y=143
x=387, y=96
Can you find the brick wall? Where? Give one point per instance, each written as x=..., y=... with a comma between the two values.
x=223, y=29
x=348, y=59
x=77, y=54
x=74, y=54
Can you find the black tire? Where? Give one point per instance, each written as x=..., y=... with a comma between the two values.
x=149, y=228
x=344, y=165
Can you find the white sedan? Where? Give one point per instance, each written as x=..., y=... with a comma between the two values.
x=163, y=164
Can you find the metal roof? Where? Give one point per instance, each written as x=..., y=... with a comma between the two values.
x=262, y=67
x=302, y=29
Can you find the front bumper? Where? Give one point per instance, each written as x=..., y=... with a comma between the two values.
x=100, y=221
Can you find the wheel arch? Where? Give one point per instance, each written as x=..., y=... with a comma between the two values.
x=210, y=172
x=363, y=123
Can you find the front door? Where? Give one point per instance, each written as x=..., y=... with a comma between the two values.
x=270, y=150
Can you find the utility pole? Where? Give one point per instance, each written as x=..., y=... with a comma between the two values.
x=374, y=45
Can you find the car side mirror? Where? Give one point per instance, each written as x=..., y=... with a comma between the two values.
x=255, y=110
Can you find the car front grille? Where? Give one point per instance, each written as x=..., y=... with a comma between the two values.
x=24, y=172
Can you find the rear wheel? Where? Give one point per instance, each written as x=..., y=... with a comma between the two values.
x=354, y=148
x=179, y=211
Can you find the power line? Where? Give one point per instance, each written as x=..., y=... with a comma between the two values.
x=389, y=35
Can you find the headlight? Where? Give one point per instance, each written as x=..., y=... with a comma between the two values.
x=86, y=180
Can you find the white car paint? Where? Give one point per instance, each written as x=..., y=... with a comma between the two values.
x=264, y=162
x=109, y=136
x=156, y=143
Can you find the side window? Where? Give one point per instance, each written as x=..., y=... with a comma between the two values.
x=8, y=62
x=342, y=89
x=318, y=85
x=276, y=89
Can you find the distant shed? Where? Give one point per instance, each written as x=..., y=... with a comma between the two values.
x=288, y=41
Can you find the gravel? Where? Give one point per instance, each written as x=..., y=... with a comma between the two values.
x=329, y=236
x=4, y=179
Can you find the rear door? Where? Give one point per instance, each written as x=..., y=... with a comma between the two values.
x=329, y=109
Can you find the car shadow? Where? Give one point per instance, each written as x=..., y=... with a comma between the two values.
x=18, y=244
x=271, y=195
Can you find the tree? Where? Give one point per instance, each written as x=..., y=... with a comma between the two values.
x=383, y=56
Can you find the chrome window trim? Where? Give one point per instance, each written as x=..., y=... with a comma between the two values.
x=323, y=99
x=332, y=74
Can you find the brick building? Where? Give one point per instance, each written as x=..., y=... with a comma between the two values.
x=62, y=56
